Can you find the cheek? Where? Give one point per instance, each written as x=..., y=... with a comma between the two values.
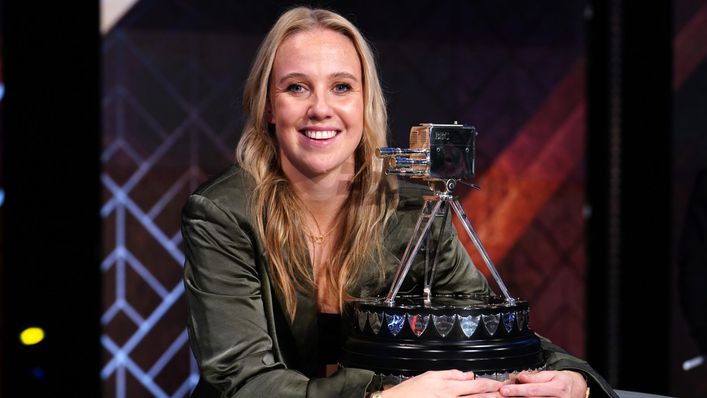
x=282, y=104
x=360, y=119
x=355, y=122
x=285, y=115
x=354, y=112
x=276, y=110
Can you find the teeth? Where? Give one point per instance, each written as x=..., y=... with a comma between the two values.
x=320, y=135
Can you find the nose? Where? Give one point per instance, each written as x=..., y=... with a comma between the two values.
x=319, y=107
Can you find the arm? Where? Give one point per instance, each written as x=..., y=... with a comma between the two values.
x=228, y=327
x=558, y=359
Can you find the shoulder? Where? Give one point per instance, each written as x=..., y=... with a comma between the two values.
x=411, y=194
x=410, y=202
x=231, y=184
x=227, y=192
x=232, y=187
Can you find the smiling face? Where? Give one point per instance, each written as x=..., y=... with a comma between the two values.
x=316, y=103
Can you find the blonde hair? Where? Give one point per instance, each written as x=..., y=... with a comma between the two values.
x=277, y=210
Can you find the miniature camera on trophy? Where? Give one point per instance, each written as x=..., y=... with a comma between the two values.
x=400, y=336
x=437, y=151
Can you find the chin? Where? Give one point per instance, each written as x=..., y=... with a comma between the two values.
x=321, y=169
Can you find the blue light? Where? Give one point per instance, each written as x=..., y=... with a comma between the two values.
x=2, y=196
x=2, y=91
x=395, y=323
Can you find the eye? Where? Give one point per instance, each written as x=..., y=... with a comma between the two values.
x=342, y=87
x=295, y=88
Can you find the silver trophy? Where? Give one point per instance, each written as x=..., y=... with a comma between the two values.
x=442, y=155
x=402, y=336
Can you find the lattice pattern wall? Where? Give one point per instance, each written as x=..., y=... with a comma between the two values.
x=171, y=108
x=166, y=126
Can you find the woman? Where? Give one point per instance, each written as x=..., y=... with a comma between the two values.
x=276, y=244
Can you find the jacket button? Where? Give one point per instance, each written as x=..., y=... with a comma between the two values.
x=268, y=359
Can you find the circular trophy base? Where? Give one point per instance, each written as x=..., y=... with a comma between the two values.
x=483, y=334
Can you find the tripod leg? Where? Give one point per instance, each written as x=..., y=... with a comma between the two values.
x=430, y=277
x=408, y=257
x=409, y=246
x=480, y=248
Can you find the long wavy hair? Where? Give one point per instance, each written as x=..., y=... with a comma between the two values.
x=278, y=212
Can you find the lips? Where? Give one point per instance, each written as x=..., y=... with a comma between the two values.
x=317, y=134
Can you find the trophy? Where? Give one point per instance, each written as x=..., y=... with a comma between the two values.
x=400, y=336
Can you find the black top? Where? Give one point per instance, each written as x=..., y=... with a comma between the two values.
x=330, y=340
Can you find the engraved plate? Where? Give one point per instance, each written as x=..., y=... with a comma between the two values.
x=395, y=323
x=443, y=324
x=509, y=319
x=362, y=318
x=491, y=323
x=418, y=323
x=469, y=324
x=375, y=321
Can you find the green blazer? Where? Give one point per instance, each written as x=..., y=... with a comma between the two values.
x=242, y=338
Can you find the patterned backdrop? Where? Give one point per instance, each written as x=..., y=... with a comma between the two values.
x=172, y=78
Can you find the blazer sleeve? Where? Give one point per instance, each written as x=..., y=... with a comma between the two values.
x=558, y=359
x=456, y=272
x=227, y=323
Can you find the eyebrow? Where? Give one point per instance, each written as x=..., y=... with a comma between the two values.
x=337, y=75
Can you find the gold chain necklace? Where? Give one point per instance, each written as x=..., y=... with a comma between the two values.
x=319, y=239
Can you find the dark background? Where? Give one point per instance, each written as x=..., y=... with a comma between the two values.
x=103, y=138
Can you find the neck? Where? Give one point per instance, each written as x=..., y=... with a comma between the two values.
x=323, y=195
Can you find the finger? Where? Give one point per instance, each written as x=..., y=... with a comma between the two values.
x=478, y=386
x=524, y=390
x=536, y=377
x=512, y=378
x=454, y=374
x=483, y=395
x=530, y=390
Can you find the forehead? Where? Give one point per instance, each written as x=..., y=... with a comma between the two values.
x=317, y=51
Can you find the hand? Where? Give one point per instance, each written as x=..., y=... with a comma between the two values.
x=445, y=383
x=548, y=383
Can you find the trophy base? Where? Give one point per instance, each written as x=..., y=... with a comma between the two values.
x=483, y=334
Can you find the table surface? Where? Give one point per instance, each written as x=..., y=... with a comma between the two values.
x=634, y=394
